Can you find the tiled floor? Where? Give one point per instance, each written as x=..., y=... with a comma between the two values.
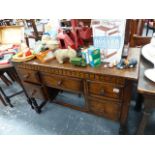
x=59, y=120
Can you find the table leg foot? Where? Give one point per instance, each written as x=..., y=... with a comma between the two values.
x=3, y=101
x=38, y=110
x=9, y=102
x=30, y=102
x=35, y=105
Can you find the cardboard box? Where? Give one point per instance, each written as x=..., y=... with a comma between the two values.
x=108, y=36
x=10, y=40
x=11, y=34
x=94, y=56
x=85, y=55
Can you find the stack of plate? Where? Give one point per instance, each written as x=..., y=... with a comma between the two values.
x=148, y=51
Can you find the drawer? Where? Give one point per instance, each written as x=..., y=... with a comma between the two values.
x=28, y=75
x=104, y=90
x=105, y=108
x=35, y=91
x=61, y=82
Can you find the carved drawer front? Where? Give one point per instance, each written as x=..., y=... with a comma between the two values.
x=61, y=82
x=34, y=90
x=104, y=90
x=28, y=75
x=105, y=108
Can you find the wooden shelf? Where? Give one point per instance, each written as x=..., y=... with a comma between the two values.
x=12, y=26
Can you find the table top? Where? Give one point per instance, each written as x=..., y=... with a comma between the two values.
x=145, y=86
x=6, y=66
x=130, y=73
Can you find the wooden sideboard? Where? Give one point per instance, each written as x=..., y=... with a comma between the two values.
x=106, y=91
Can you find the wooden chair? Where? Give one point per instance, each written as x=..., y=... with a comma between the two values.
x=35, y=34
x=5, y=79
x=139, y=41
x=7, y=82
x=10, y=70
x=7, y=71
x=150, y=26
x=136, y=30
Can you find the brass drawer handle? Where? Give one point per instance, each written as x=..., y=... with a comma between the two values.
x=59, y=83
x=102, y=92
x=116, y=90
x=26, y=76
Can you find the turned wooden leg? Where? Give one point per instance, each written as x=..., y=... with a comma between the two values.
x=8, y=101
x=3, y=101
x=147, y=30
x=143, y=123
x=10, y=76
x=42, y=105
x=30, y=102
x=8, y=81
x=35, y=105
x=153, y=30
x=5, y=80
x=149, y=104
x=6, y=97
x=27, y=41
x=34, y=102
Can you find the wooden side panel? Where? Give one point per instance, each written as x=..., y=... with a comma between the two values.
x=105, y=108
x=28, y=75
x=34, y=91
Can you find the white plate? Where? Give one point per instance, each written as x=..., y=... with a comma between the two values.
x=148, y=51
x=150, y=74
